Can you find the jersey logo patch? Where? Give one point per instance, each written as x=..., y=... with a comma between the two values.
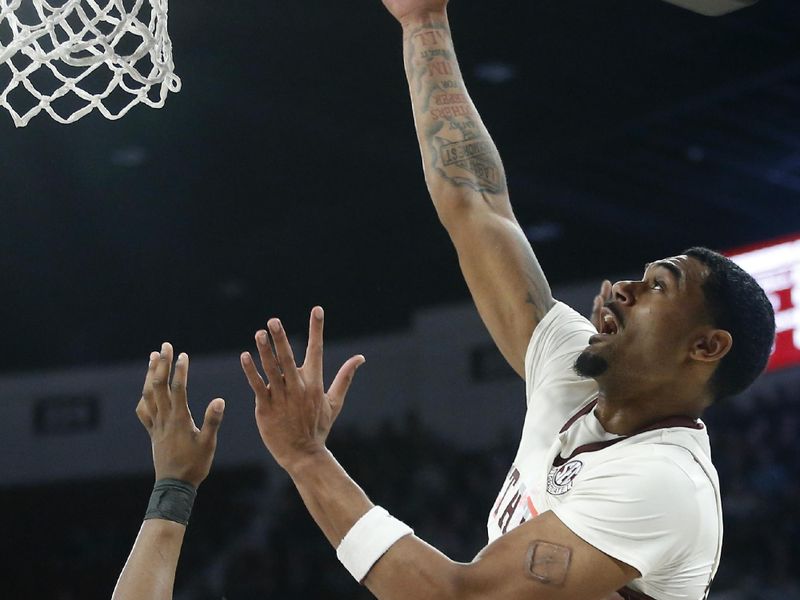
x=560, y=479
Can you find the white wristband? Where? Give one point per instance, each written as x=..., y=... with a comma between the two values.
x=369, y=539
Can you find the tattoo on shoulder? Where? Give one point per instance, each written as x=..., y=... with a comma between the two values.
x=535, y=295
x=532, y=300
x=548, y=563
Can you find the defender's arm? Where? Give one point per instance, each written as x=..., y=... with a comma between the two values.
x=182, y=456
x=150, y=569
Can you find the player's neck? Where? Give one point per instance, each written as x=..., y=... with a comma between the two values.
x=627, y=414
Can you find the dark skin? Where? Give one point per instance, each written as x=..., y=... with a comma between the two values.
x=664, y=349
x=541, y=559
x=181, y=451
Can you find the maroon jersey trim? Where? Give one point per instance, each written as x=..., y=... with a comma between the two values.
x=677, y=421
x=584, y=411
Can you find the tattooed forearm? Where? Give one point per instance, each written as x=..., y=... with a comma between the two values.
x=548, y=563
x=470, y=161
x=423, y=45
x=456, y=145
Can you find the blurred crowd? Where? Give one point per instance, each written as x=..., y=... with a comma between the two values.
x=755, y=440
x=250, y=537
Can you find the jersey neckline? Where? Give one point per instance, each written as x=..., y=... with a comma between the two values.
x=676, y=421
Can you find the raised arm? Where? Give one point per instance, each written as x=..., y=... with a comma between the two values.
x=467, y=183
x=539, y=560
x=182, y=456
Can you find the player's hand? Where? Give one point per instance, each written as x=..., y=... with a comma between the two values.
x=180, y=450
x=405, y=10
x=600, y=301
x=294, y=414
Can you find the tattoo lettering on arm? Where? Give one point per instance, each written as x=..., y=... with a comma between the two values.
x=461, y=151
x=427, y=44
x=548, y=563
x=467, y=159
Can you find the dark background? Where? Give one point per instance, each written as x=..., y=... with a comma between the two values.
x=286, y=172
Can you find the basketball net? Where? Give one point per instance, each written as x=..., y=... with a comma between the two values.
x=70, y=57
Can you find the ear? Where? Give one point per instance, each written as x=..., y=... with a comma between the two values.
x=711, y=345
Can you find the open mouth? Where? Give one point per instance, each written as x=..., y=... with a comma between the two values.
x=611, y=324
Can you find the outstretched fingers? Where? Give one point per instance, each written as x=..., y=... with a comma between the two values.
x=284, y=356
x=178, y=386
x=606, y=290
x=254, y=378
x=147, y=409
x=211, y=422
x=341, y=383
x=269, y=362
x=160, y=379
x=597, y=306
x=312, y=365
x=599, y=302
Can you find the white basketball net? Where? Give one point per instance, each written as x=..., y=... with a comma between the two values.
x=69, y=57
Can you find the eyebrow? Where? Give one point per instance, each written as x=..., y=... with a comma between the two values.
x=676, y=272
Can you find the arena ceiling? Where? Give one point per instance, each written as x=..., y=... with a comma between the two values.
x=286, y=172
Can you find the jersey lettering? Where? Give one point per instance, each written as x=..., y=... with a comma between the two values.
x=513, y=479
x=505, y=518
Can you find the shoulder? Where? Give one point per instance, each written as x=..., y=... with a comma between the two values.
x=654, y=499
x=656, y=473
x=559, y=316
x=562, y=331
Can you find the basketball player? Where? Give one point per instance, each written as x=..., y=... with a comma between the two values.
x=612, y=492
x=182, y=455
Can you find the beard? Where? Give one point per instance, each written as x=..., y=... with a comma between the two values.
x=589, y=364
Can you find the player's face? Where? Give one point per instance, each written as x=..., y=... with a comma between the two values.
x=649, y=325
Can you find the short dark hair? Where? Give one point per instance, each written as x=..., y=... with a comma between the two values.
x=737, y=304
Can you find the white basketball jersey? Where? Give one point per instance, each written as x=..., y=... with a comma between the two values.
x=650, y=500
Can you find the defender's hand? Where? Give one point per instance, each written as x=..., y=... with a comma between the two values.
x=599, y=302
x=403, y=10
x=180, y=450
x=294, y=414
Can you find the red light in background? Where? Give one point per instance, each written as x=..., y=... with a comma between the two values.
x=776, y=267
